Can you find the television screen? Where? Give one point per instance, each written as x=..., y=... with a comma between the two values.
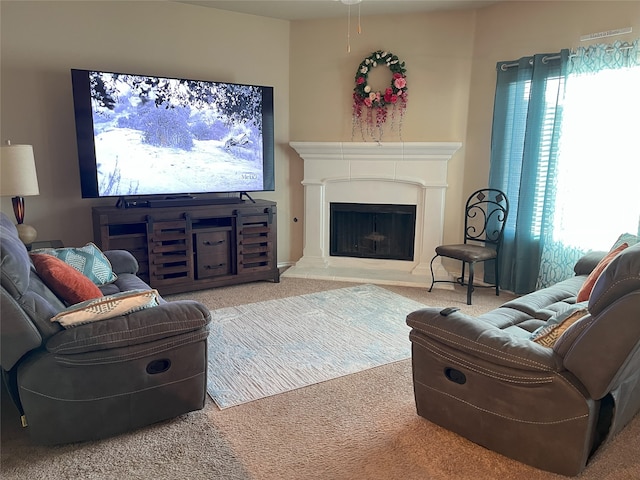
x=145, y=135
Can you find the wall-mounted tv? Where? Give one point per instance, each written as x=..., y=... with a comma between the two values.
x=141, y=135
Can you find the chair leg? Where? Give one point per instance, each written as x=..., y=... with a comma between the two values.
x=461, y=279
x=433, y=277
x=470, y=286
x=497, y=279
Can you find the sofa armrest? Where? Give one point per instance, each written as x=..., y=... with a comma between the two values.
x=481, y=339
x=122, y=261
x=155, y=323
x=586, y=264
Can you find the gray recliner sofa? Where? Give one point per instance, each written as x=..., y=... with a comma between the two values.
x=102, y=378
x=548, y=406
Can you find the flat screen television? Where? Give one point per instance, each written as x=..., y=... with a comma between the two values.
x=141, y=135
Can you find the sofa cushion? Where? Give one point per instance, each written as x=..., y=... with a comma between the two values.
x=544, y=304
x=66, y=282
x=587, y=286
x=88, y=259
x=107, y=307
x=125, y=282
x=507, y=317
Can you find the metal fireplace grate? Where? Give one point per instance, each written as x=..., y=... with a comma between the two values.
x=365, y=230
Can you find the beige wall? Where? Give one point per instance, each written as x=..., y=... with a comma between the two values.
x=450, y=59
x=42, y=41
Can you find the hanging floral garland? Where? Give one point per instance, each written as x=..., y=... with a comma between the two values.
x=372, y=107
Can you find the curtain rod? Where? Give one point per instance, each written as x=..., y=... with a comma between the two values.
x=546, y=59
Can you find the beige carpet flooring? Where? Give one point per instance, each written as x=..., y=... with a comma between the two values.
x=361, y=426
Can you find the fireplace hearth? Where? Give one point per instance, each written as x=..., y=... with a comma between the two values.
x=396, y=173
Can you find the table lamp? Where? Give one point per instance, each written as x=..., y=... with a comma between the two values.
x=18, y=179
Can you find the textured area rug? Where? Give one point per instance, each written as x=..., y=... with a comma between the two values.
x=262, y=349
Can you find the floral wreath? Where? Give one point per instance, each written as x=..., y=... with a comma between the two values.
x=395, y=95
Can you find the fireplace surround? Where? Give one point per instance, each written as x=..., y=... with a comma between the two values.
x=407, y=173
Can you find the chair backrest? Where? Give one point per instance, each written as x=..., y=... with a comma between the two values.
x=603, y=350
x=26, y=302
x=485, y=217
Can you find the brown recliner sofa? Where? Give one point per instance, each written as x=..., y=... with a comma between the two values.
x=550, y=407
x=95, y=379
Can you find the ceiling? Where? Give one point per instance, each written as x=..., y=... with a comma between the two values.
x=313, y=9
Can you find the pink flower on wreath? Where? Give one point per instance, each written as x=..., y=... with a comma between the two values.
x=367, y=102
x=399, y=82
x=389, y=97
x=360, y=80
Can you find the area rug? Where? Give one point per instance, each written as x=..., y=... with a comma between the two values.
x=265, y=348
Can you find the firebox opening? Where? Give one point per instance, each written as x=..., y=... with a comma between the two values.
x=366, y=230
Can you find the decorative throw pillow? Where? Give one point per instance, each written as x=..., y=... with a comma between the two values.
x=547, y=336
x=115, y=305
x=588, y=284
x=88, y=260
x=66, y=282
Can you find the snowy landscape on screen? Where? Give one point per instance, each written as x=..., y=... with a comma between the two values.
x=175, y=136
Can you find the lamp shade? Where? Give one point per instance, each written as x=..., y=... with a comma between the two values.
x=18, y=171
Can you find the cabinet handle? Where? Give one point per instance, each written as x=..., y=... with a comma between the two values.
x=209, y=242
x=214, y=267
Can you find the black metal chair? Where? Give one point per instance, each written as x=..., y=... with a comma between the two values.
x=486, y=214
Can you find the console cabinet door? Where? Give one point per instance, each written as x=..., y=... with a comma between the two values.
x=170, y=252
x=255, y=242
x=213, y=252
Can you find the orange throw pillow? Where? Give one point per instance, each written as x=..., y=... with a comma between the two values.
x=66, y=282
x=587, y=286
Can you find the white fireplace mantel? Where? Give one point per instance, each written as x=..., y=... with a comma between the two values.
x=410, y=173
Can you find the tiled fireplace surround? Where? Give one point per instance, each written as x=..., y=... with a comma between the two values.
x=409, y=173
